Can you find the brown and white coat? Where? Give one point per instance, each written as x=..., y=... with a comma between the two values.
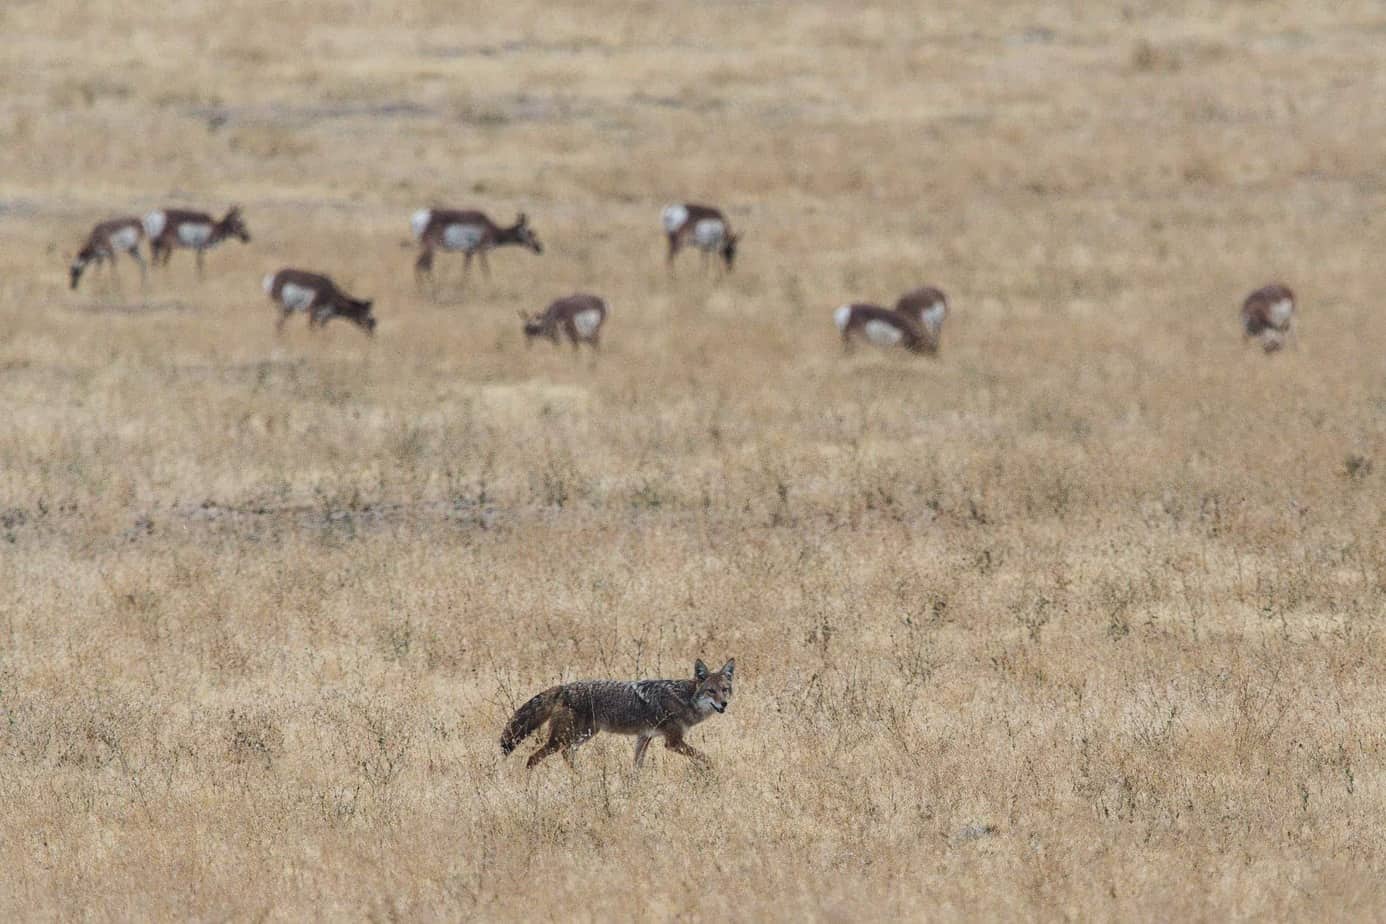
x=318, y=297
x=169, y=229
x=700, y=226
x=105, y=242
x=882, y=327
x=1268, y=314
x=470, y=231
x=927, y=307
x=578, y=317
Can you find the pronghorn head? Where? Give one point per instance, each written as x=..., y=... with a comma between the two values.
x=79, y=263
x=521, y=234
x=729, y=249
x=358, y=311
x=536, y=325
x=233, y=225
x=712, y=691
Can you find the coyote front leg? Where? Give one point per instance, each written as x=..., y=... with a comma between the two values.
x=679, y=746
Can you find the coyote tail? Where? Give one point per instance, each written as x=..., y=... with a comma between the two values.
x=528, y=718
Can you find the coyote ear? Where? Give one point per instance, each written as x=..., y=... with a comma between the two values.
x=699, y=670
x=728, y=668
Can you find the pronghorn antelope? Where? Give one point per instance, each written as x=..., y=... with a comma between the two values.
x=577, y=317
x=318, y=297
x=106, y=241
x=927, y=307
x=198, y=231
x=702, y=226
x=471, y=232
x=1267, y=315
x=882, y=327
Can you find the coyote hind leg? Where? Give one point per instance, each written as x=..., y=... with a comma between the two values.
x=566, y=734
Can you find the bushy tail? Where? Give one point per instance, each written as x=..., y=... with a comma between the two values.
x=528, y=718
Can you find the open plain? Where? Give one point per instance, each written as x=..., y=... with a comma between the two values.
x=1081, y=619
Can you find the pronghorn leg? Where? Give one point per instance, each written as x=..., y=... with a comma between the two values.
x=200, y=269
x=144, y=270
x=423, y=272
x=673, y=252
x=485, y=263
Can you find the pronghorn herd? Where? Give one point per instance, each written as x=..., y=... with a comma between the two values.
x=914, y=325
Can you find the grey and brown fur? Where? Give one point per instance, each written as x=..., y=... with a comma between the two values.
x=1268, y=315
x=882, y=327
x=647, y=709
x=701, y=226
x=469, y=231
x=105, y=242
x=170, y=229
x=317, y=296
x=578, y=317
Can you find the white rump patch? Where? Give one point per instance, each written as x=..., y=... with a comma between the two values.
x=419, y=222
x=154, y=223
x=295, y=297
x=674, y=218
x=933, y=316
x=268, y=283
x=587, y=322
x=463, y=237
x=1280, y=312
x=881, y=333
x=126, y=239
x=709, y=233
x=194, y=235
x=842, y=317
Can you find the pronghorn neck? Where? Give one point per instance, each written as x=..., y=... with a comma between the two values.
x=515, y=234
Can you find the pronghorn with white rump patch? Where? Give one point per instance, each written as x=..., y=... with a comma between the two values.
x=1267, y=314
x=169, y=229
x=882, y=327
x=702, y=226
x=471, y=232
x=578, y=317
x=318, y=297
x=105, y=242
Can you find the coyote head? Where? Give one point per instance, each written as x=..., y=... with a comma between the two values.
x=712, y=691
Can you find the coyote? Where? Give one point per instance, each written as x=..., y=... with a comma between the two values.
x=644, y=708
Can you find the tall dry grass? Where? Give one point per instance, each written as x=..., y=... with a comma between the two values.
x=1081, y=620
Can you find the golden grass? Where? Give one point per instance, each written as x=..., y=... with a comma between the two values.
x=1082, y=619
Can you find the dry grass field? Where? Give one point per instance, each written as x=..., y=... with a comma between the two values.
x=1082, y=619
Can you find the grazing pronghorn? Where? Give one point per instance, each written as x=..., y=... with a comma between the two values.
x=471, y=232
x=882, y=327
x=927, y=307
x=106, y=241
x=318, y=297
x=198, y=231
x=1267, y=315
x=578, y=317
x=702, y=226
